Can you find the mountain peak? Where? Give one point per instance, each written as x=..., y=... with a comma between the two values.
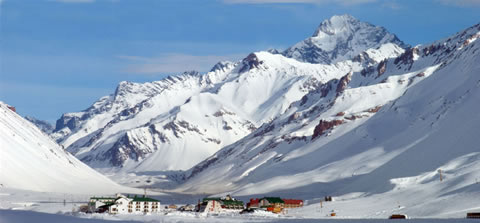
x=341, y=37
x=337, y=24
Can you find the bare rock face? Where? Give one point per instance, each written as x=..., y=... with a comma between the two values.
x=323, y=126
x=222, y=66
x=374, y=110
x=294, y=116
x=407, y=57
x=343, y=83
x=382, y=67
x=250, y=62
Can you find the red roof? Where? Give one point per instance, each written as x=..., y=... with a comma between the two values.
x=254, y=201
x=292, y=201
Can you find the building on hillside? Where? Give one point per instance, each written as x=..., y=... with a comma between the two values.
x=292, y=203
x=216, y=204
x=124, y=205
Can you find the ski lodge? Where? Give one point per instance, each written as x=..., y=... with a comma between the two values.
x=123, y=205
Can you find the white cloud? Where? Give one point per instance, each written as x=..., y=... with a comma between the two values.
x=462, y=3
x=341, y=2
x=174, y=63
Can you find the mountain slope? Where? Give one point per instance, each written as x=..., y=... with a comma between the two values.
x=30, y=160
x=42, y=125
x=175, y=123
x=382, y=133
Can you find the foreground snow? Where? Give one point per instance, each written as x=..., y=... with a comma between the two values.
x=12, y=216
x=29, y=206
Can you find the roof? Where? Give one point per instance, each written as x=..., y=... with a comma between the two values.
x=224, y=201
x=106, y=205
x=102, y=198
x=254, y=201
x=232, y=202
x=292, y=201
x=143, y=199
x=212, y=198
x=274, y=200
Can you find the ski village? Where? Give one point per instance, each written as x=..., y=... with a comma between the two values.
x=121, y=204
x=347, y=123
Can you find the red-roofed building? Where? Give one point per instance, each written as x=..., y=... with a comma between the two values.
x=291, y=203
x=254, y=203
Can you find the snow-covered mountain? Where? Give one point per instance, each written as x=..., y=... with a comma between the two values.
x=383, y=134
x=42, y=125
x=340, y=38
x=177, y=122
x=30, y=160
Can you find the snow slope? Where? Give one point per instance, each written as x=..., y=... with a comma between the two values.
x=176, y=123
x=383, y=133
x=30, y=160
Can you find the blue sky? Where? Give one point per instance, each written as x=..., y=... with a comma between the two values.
x=60, y=56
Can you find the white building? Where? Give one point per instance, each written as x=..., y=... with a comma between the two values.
x=213, y=206
x=126, y=205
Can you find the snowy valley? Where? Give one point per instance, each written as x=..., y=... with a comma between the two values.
x=350, y=112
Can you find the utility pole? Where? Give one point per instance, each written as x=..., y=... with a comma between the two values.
x=441, y=177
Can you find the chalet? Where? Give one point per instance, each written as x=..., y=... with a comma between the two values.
x=216, y=204
x=292, y=203
x=124, y=205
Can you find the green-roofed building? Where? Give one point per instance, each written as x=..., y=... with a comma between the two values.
x=124, y=204
x=217, y=204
